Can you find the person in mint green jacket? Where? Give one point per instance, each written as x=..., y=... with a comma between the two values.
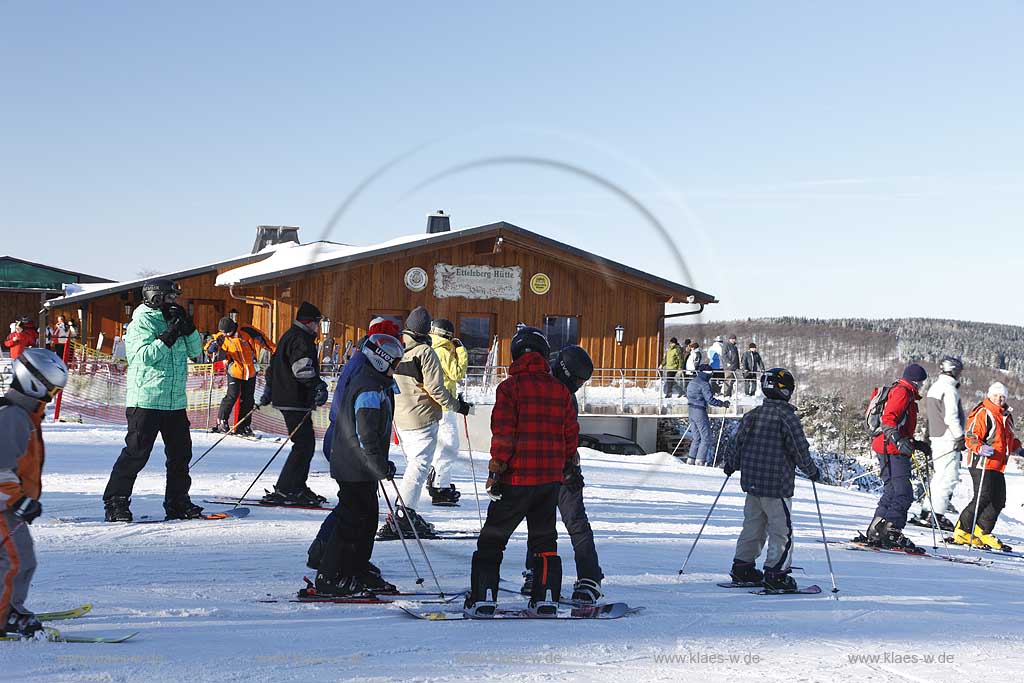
x=160, y=339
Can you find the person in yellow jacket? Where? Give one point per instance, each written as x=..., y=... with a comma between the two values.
x=454, y=364
x=240, y=347
x=673, y=364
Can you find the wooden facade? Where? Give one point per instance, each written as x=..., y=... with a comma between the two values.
x=600, y=295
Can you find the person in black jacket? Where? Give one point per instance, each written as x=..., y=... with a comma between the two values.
x=752, y=364
x=767, y=448
x=359, y=460
x=294, y=387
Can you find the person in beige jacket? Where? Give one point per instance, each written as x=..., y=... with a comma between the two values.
x=454, y=363
x=419, y=404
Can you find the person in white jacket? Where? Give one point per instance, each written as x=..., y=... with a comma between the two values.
x=945, y=415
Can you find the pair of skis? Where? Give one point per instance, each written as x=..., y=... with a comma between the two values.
x=807, y=590
x=608, y=610
x=55, y=636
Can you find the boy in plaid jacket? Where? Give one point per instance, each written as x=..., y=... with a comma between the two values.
x=534, y=431
x=767, y=448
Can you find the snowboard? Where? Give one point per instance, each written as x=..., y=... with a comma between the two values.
x=256, y=502
x=740, y=584
x=609, y=610
x=65, y=614
x=55, y=636
x=808, y=590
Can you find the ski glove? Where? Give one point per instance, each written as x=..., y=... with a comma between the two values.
x=924, y=447
x=906, y=446
x=265, y=397
x=27, y=509
x=171, y=334
x=960, y=445
x=573, y=478
x=815, y=475
x=986, y=451
x=320, y=393
x=495, y=468
x=456, y=342
x=390, y=470
x=464, y=407
x=729, y=470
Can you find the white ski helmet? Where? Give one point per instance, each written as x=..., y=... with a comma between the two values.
x=951, y=366
x=383, y=351
x=39, y=373
x=998, y=389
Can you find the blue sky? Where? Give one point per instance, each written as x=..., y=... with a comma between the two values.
x=819, y=159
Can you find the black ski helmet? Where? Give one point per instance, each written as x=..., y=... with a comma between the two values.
x=572, y=366
x=529, y=339
x=778, y=383
x=155, y=292
x=227, y=325
x=443, y=328
x=951, y=366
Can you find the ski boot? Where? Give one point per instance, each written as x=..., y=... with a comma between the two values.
x=587, y=592
x=23, y=624
x=943, y=522
x=341, y=587
x=527, y=588
x=116, y=509
x=373, y=579
x=547, y=584
x=779, y=581
x=182, y=509
x=484, y=575
x=961, y=537
x=305, y=497
x=691, y=461
x=407, y=518
x=876, y=531
x=990, y=541
x=246, y=432
x=441, y=497
x=222, y=427
x=745, y=572
x=895, y=540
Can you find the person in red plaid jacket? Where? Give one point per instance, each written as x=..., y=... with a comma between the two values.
x=534, y=430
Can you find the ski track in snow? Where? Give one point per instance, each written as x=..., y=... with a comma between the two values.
x=192, y=588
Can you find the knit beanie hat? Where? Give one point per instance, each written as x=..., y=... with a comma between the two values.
x=914, y=373
x=228, y=325
x=383, y=326
x=418, y=321
x=307, y=312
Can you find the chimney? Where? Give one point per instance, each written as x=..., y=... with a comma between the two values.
x=438, y=222
x=274, y=234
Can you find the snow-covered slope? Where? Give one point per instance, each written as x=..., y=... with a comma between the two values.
x=193, y=589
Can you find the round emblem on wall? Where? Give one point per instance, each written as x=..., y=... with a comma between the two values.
x=416, y=279
x=540, y=284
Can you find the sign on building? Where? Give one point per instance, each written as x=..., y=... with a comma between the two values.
x=478, y=282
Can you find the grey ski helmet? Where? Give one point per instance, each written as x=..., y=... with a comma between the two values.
x=39, y=374
x=383, y=351
x=951, y=366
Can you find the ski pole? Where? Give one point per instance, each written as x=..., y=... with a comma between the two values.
x=824, y=541
x=279, y=449
x=706, y=518
x=977, y=501
x=226, y=435
x=401, y=536
x=923, y=473
x=685, y=432
x=399, y=502
x=714, y=463
x=472, y=467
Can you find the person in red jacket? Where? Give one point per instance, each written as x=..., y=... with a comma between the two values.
x=894, y=448
x=534, y=430
x=24, y=336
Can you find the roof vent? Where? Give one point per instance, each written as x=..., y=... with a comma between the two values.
x=438, y=222
x=267, y=235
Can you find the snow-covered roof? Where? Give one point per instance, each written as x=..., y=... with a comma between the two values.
x=291, y=257
x=80, y=292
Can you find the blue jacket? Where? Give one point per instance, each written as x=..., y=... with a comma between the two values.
x=362, y=431
x=699, y=394
x=348, y=371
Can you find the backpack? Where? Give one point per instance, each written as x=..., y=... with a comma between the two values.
x=876, y=406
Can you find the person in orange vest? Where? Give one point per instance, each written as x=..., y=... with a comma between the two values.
x=37, y=376
x=239, y=346
x=24, y=336
x=989, y=440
